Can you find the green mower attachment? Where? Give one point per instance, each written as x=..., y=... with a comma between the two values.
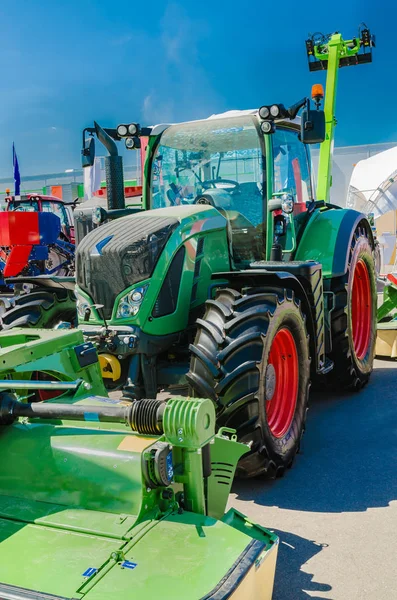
x=102, y=498
x=386, y=341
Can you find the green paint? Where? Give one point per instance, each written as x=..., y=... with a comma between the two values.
x=269, y=194
x=73, y=495
x=337, y=48
x=326, y=239
x=195, y=221
x=389, y=302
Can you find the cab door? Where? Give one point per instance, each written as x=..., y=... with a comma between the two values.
x=291, y=174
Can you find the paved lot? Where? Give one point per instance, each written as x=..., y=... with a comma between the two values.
x=336, y=510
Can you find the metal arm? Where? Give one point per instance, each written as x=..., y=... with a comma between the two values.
x=330, y=55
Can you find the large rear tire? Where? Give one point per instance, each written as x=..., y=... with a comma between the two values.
x=353, y=319
x=251, y=357
x=41, y=309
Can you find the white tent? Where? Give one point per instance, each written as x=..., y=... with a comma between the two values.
x=373, y=184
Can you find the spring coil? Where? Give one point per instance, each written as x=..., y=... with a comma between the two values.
x=146, y=416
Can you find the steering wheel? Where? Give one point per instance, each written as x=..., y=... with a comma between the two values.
x=204, y=199
x=211, y=183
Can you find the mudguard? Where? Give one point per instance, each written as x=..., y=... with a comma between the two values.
x=327, y=239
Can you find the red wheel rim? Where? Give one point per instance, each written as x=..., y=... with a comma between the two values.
x=282, y=393
x=44, y=395
x=361, y=309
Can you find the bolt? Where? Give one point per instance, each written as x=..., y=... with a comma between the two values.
x=180, y=431
x=87, y=385
x=180, y=439
x=148, y=489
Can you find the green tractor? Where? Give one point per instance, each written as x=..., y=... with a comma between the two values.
x=236, y=278
x=103, y=499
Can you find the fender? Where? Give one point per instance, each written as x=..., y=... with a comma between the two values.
x=327, y=238
x=276, y=280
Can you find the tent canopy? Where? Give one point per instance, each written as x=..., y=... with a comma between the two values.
x=373, y=184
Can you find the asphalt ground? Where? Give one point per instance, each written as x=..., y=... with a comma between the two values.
x=335, y=511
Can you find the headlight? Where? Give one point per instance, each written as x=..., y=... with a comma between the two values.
x=122, y=130
x=130, y=304
x=124, y=310
x=267, y=127
x=275, y=110
x=97, y=216
x=130, y=143
x=132, y=128
x=82, y=305
x=287, y=203
x=136, y=295
x=264, y=112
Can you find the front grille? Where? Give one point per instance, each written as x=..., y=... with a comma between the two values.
x=119, y=254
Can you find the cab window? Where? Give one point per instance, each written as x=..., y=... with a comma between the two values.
x=291, y=167
x=58, y=209
x=218, y=162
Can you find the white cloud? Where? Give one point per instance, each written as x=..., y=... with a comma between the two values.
x=179, y=87
x=155, y=111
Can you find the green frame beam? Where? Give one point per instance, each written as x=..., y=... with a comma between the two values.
x=331, y=52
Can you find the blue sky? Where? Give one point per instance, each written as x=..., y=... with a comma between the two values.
x=64, y=64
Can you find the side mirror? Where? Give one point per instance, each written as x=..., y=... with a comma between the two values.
x=282, y=201
x=312, y=126
x=88, y=152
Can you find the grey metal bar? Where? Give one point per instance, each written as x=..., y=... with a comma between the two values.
x=17, y=384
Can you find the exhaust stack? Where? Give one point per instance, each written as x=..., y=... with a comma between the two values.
x=113, y=169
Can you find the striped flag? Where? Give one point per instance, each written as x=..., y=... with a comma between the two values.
x=17, y=176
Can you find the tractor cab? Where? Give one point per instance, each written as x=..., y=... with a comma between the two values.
x=38, y=203
x=230, y=162
x=218, y=162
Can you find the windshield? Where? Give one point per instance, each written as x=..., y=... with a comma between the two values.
x=217, y=162
x=26, y=206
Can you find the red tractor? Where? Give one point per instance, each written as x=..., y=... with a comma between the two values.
x=36, y=238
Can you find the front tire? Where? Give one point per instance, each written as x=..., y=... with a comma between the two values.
x=251, y=356
x=41, y=309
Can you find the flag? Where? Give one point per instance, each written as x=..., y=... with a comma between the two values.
x=92, y=179
x=17, y=176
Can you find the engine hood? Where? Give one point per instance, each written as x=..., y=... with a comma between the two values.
x=123, y=252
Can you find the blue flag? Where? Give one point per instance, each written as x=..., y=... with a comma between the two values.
x=17, y=176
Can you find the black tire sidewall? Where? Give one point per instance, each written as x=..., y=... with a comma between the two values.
x=362, y=250
x=287, y=315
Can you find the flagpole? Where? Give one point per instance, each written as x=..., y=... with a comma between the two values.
x=17, y=175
